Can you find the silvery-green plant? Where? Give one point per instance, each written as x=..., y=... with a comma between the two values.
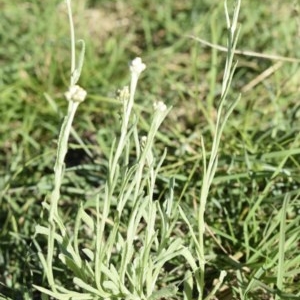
x=209, y=169
x=123, y=261
x=75, y=95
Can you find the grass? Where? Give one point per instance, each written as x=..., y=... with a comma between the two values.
x=150, y=214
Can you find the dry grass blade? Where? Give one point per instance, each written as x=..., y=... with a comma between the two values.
x=246, y=52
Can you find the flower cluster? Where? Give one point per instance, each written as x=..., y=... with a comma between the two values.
x=159, y=106
x=76, y=94
x=137, y=66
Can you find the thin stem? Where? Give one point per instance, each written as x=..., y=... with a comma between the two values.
x=210, y=169
x=72, y=36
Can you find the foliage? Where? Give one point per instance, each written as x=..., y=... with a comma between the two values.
x=129, y=217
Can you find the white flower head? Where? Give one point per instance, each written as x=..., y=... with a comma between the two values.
x=123, y=94
x=76, y=94
x=143, y=141
x=160, y=106
x=137, y=66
